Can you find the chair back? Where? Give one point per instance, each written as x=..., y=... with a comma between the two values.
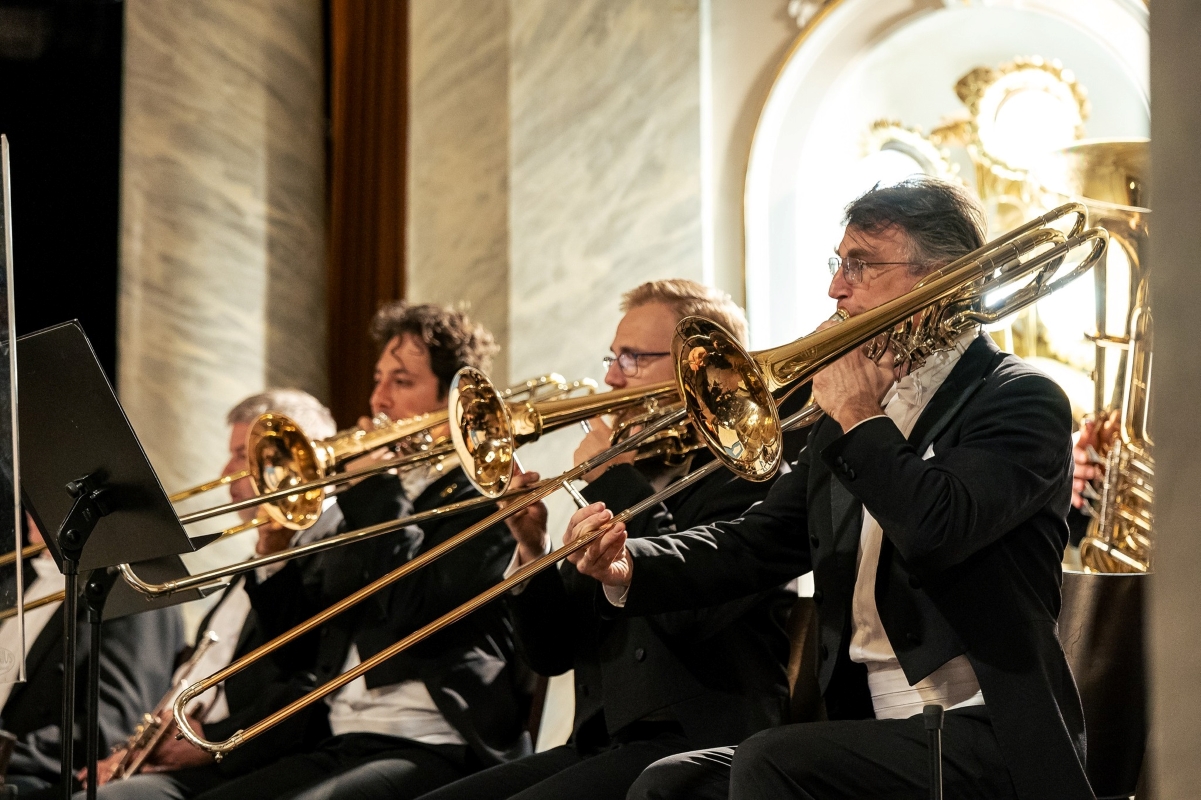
x=1101, y=630
x=804, y=694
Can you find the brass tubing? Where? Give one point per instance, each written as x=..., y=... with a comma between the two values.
x=26, y=552
x=525, y=498
x=210, y=578
x=301, y=488
x=204, y=487
x=804, y=417
x=56, y=597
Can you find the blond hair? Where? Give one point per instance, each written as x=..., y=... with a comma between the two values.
x=688, y=299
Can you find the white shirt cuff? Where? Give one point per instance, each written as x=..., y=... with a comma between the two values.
x=616, y=595
x=514, y=566
x=860, y=422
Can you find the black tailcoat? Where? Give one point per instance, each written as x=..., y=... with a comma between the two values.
x=970, y=563
x=718, y=671
x=468, y=668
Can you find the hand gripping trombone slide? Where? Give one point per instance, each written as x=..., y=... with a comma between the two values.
x=727, y=392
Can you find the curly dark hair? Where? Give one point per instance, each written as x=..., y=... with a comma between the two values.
x=453, y=339
x=942, y=220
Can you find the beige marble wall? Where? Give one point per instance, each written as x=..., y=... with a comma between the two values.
x=458, y=201
x=604, y=183
x=222, y=277
x=604, y=192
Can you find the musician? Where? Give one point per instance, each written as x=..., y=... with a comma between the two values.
x=438, y=711
x=931, y=511
x=175, y=768
x=645, y=687
x=136, y=654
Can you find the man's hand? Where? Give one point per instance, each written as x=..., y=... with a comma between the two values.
x=528, y=526
x=1091, y=445
x=850, y=389
x=273, y=538
x=105, y=768
x=597, y=441
x=175, y=754
x=606, y=559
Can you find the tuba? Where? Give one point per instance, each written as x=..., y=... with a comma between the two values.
x=1109, y=178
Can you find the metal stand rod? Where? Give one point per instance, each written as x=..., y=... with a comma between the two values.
x=100, y=582
x=932, y=716
x=67, y=733
x=93, y=719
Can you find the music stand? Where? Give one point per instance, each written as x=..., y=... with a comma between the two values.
x=89, y=487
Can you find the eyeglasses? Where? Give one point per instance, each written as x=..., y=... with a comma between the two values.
x=629, y=362
x=852, y=268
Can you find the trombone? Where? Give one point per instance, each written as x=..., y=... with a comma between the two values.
x=727, y=392
x=288, y=469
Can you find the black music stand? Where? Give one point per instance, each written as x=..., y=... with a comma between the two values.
x=88, y=485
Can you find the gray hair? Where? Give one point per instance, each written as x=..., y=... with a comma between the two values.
x=304, y=409
x=941, y=220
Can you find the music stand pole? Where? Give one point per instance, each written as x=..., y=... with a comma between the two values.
x=95, y=593
x=86, y=511
x=932, y=716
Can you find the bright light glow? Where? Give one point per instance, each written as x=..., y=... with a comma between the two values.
x=1031, y=123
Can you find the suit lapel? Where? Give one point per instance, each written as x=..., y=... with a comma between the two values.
x=440, y=491
x=965, y=379
x=846, y=512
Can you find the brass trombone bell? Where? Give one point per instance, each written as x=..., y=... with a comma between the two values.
x=486, y=430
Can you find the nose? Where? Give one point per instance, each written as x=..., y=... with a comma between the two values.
x=614, y=377
x=380, y=401
x=839, y=288
x=233, y=465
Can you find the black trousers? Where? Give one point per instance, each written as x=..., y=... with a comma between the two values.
x=565, y=772
x=352, y=766
x=852, y=759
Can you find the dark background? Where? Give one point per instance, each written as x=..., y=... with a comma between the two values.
x=60, y=106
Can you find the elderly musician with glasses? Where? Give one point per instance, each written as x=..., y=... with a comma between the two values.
x=645, y=687
x=931, y=508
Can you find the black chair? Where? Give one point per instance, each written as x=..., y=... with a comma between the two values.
x=804, y=695
x=1101, y=630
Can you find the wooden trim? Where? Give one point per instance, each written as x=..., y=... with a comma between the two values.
x=368, y=91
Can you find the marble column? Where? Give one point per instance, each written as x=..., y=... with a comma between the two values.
x=1175, y=626
x=458, y=167
x=604, y=184
x=222, y=208
x=744, y=43
x=604, y=192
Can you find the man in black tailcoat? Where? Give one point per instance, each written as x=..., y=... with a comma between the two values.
x=645, y=687
x=931, y=508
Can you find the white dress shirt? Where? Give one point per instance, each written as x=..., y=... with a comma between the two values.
x=405, y=710
x=953, y=685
